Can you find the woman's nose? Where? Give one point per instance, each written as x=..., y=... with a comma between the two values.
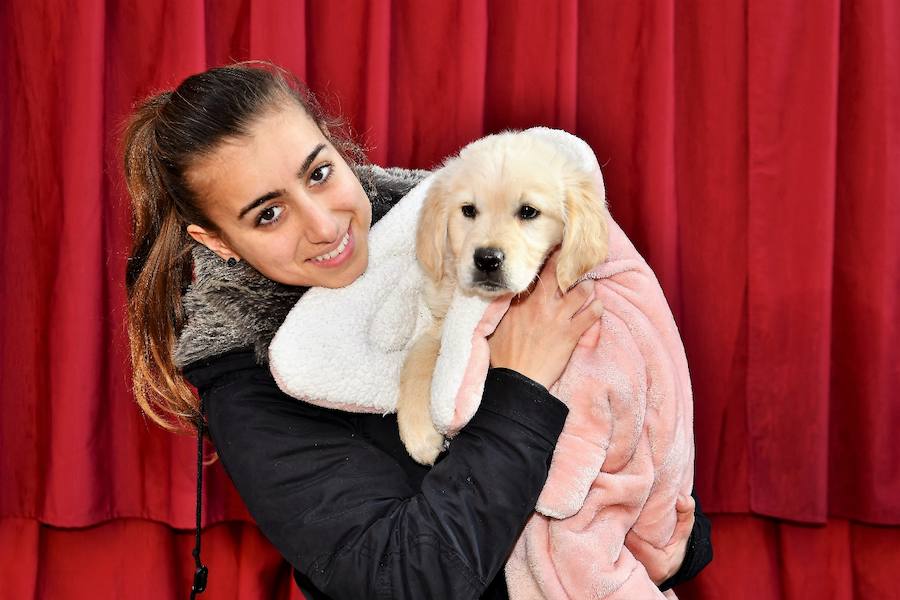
x=319, y=223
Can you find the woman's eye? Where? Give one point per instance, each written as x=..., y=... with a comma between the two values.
x=528, y=212
x=269, y=215
x=321, y=173
x=469, y=211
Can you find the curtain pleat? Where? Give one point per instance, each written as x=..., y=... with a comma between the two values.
x=145, y=560
x=138, y=560
x=530, y=83
x=865, y=318
x=792, y=120
x=626, y=113
x=711, y=188
x=767, y=558
x=350, y=47
x=436, y=105
x=278, y=31
x=750, y=150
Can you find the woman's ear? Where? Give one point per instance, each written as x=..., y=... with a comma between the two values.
x=586, y=236
x=213, y=241
x=431, y=235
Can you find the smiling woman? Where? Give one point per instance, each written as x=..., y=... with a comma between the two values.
x=237, y=160
x=241, y=159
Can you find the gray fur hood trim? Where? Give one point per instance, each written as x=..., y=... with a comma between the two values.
x=231, y=308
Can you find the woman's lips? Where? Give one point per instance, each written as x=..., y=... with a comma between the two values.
x=338, y=255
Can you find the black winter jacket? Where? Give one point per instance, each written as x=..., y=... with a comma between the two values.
x=339, y=497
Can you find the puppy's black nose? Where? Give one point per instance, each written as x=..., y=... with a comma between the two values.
x=488, y=259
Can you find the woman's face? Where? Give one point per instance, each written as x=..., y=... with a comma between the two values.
x=285, y=201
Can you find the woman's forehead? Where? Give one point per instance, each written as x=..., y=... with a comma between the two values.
x=245, y=167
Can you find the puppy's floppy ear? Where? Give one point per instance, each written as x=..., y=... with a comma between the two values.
x=586, y=236
x=431, y=235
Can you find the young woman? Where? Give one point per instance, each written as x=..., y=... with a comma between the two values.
x=238, y=178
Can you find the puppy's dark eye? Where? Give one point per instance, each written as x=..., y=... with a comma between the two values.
x=528, y=212
x=469, y=211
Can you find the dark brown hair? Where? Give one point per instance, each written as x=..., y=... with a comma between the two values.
x=163, y=137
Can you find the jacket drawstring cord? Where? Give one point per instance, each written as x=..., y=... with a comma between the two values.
x=201, y=573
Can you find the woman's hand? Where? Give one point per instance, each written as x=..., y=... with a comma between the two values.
x=539, y=332
x=662, y=563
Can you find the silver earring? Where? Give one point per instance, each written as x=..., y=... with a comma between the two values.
x=231, y=261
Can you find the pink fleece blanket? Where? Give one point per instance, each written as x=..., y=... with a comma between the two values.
x=626, y=451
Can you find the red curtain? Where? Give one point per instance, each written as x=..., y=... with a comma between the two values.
x=751, y=150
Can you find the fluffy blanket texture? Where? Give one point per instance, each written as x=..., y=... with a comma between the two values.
x=626, y=451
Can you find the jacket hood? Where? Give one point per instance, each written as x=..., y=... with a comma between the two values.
x=231, y=308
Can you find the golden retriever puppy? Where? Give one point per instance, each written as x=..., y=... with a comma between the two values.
x=491, y=217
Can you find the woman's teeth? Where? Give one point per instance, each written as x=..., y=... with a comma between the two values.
x=336, y=251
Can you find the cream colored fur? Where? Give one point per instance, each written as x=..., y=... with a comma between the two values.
x=494, y=178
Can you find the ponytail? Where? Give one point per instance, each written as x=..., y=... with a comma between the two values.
x=164, y=136
x=158, y=269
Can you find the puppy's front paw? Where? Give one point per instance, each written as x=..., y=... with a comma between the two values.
x=424, y=445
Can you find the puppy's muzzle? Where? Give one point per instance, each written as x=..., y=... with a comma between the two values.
x=488, y=260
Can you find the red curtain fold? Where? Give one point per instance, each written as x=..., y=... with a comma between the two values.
x=865, y=310
x=357, y=87
x=710, y=147
x=138, y=559
x=750, y=151
x=146, y=560
x=767, y=558
x=792, y=121
x=436, y=106
x=518, y=66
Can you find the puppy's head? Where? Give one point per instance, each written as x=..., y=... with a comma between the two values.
x=494, y=213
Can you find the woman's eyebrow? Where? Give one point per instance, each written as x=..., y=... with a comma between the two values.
x=270, y=195
x=309, y=159
x=264, y=198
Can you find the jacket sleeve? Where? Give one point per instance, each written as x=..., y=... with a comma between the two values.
x=699, y=552
x=344, y=513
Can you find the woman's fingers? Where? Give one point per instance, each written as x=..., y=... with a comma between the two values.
x=662, y=563
x=684, y=505
x=655, y=560
x=684, y=509
x=576, y=297
x=591, y=313
x=540, y=330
